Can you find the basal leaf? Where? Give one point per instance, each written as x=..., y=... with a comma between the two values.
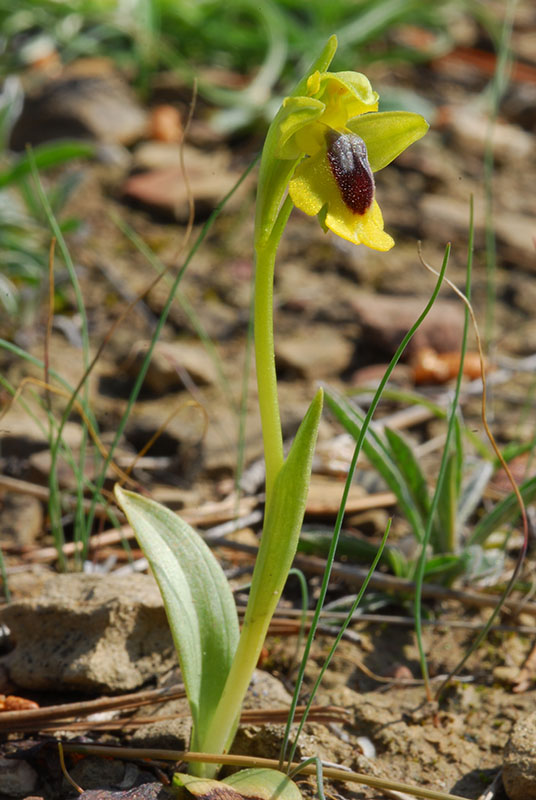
x=248, y=784
x=199, y=604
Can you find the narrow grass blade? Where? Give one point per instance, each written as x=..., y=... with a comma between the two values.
x=43, y=156
x=411, y=471
x=378, y=455
x=443, y=536
x=351, y=472
x=506, y=511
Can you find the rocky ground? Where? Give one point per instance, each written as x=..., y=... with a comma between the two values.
x=340, y=314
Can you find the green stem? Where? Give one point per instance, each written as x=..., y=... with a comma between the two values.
x=258, y=615
x=265, y=253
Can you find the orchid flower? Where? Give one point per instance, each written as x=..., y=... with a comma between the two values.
x=331, y=138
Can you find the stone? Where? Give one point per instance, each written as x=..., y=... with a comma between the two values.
x=21, y=518
x=146, y=791
x=17, y=778
x=22, y=434
x=173, y=364
x=89, y=100
x=515, y=232
x=266, y=691
x=89, y=633
x=470, y=130
x=94, y=772
x=451, y=216
x=173, y=732
x=519, y=765
x=387, y=318
x=314, y=353
x=161, y=186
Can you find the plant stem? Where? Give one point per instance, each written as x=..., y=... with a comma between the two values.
x=265, y=253
x=257, y=619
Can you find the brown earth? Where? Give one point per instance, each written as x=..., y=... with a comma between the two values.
x=340, y=313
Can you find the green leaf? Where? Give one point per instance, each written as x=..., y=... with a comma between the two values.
x=248, y=784
x=264, y=783
x=378, y=455
x=408, y=465
x=282, y=524
x=284, y=517
x=199, y=604
x=46, y=155
x=356, y=549
x=445, y=568
x=473, y=489
x=505, y=511
x=444, y=537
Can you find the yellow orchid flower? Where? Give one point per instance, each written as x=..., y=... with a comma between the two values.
x=337, y=126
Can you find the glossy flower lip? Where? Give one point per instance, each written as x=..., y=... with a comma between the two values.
x=337, y=126
x=314, y=189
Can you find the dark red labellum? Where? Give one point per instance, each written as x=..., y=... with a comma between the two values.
x=348, y=159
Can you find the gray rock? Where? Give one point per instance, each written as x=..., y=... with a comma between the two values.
x=471, y=130
x=161, y=185
x=170, y=733
x=173, y=731
x=146, y=791
x=315, y=353
x=88, y=101
x=89, y=633
x=94, y=772
x=173, y=364
x=519, y=767
x=17, y=778
x=21, y=518
x=387, y=318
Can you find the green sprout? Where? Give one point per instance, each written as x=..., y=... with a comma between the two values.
x=320, y=154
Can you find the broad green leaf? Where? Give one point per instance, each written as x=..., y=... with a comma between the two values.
x=248, y=784
x=199, y=604
x=446, y=568
x=264, y=783
x=284, y=517
x=481, y=563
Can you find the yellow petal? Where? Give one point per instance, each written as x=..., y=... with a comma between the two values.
x=364, y=229
x=312, y=186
